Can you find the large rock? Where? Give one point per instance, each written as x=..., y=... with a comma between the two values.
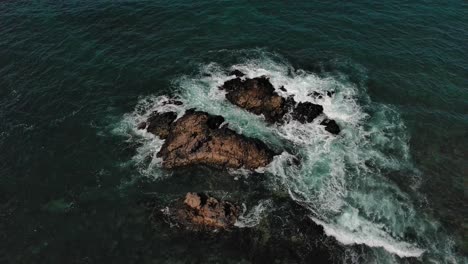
x=196, y=138
x=201, y=211
x=258, y=96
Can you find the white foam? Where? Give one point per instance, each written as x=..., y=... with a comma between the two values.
x=364, y=232
x=145, y=159
x=254, y=216
x=335, y=175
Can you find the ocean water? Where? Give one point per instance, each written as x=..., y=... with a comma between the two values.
x=77, y=76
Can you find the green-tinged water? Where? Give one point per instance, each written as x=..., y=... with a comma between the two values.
x=77, y=76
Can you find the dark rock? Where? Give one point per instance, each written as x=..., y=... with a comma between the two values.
x=141, y=125
x=199, y=211
x=330, y=93
x=283, y=89
x=256, y=95
x=214, y=121
x=237, y=73
x=306, y=112
x=160, y=123
x=331, y=126
x=196, y=138
x=294, y=162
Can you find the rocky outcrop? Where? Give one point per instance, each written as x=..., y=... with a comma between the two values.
x=331, y=126
x=159, y=123
x=237, y=73
x=306, y=112
x=197, y=138
x=199, y=211
x=258, y=96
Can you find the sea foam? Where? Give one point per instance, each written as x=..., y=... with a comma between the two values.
x=340, y=179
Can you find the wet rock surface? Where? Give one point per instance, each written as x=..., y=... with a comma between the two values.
x=200, y=211
x=306, y=112
x=159, y=123
x=258, y=96
x=197, y=139
x=331, y=126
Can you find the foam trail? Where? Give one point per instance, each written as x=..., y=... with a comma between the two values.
x=368, y=237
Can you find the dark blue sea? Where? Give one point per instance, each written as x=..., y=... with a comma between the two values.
x=76, y=176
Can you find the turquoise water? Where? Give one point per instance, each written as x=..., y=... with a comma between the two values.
x=77, y=75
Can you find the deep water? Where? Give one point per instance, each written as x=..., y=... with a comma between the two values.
x=76, y=177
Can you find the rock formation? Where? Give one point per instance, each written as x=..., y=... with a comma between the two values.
x=258, y=96
x=197, y=138
x=199, y=211
x=331, y=126
x=159, y=123
x=306, y=112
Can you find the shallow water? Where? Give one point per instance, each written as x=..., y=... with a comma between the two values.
x=77, y=76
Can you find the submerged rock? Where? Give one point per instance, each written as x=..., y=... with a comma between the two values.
x=196, y=138
x=199, y=211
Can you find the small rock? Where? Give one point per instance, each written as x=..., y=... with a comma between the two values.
x=306, y=112
x=331, y=126
x=141, y=125
x=237, y=73
x=316, y=95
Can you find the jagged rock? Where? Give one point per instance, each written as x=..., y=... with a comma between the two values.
x=196, y=138
x=331, y=126
x=237, y=73
x=256, y=95
x=160, y=123
x=199, y=211
x=306, y=112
